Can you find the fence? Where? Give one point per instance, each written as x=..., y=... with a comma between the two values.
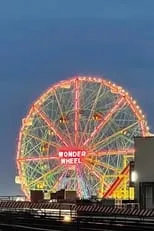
x=95, y=209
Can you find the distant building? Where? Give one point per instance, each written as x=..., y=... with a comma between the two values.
x=143, y=173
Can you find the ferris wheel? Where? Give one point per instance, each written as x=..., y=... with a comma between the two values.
x=79, y=135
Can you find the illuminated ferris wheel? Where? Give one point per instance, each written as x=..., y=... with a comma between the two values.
x=79, y=135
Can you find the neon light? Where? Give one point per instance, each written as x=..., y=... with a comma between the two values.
x=76, y=105
x=71, y=157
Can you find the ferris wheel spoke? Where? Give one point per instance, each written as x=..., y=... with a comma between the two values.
x=32, y=170
x=32, y=149
x=69, y=182
x=63, y=174
x=93, y=171
x=118, y=104
x=92, y=111
x=76, y=108
x=50, y=124
x=79, y=186
x=58, y=167
x=102, y=164
x=84, y=185
x=83, y=181
x=111, y=152
x=109, y=139
x=117, y=182
x=62, y=114
x=53, y=144
x=138, y=114
x=40, y=158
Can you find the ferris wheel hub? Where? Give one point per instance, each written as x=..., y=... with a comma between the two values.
x=71, y=156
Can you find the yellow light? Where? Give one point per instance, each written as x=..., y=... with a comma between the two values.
x=65, y=86
x=29, y=123
x=67, y=218
x=17, y=180
x=140, y=111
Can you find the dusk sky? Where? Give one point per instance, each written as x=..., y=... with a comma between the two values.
x=44, y=41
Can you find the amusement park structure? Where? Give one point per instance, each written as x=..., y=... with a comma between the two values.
x=79, y=135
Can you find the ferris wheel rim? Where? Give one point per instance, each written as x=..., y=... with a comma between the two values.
x=109, y=84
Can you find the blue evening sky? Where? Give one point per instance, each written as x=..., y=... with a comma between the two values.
x=44, y=41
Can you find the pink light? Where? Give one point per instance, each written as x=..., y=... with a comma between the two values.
x=76, y=103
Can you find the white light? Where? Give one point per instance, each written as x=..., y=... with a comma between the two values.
x=134, y=102
x=20, y=199
x=134, y=176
